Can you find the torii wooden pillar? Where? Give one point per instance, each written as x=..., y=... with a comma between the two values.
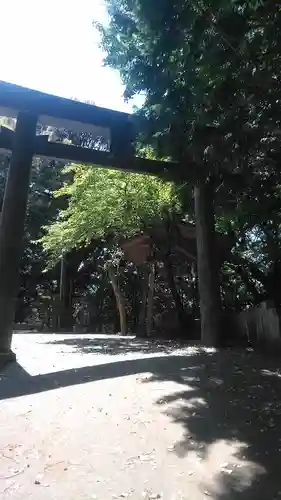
x=12, y=226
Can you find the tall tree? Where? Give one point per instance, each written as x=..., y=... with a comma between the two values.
x=209, y=73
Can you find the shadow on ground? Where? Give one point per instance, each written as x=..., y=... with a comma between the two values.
x=230, y=396
x=233, y=397
x=116, y=345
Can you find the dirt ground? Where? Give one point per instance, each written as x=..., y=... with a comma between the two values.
x=106, y=417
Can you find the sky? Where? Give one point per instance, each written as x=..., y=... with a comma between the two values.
x=52, y=46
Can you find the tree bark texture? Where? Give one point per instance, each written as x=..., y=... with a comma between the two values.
x=66, y=313
x=174, y=291
x=149, y=314
x=207, y=265
x=143, y=306
x=119, y=299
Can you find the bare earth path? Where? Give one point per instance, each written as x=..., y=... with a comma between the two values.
x=103, y=417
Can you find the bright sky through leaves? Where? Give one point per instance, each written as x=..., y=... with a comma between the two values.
x=52, y=46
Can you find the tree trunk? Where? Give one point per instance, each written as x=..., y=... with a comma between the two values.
x=207, y=265
x=174, y=291
x=135, y=302
x=143, y=306
x=66, y=313
x=149, y=315
x=172, y=241
x=119, y=299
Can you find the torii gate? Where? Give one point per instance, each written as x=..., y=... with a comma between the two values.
x=30, y=107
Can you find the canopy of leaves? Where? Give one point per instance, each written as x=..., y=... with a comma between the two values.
x=209, y=71
x=106, y=204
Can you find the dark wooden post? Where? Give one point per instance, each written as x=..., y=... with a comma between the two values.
x=207, y=264
x=65, y=318
x=150, y=294
x=122, y=138
x=12, y=226
x=141, y=330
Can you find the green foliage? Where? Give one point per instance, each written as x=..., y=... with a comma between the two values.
x=106, y=204
x=209, y=71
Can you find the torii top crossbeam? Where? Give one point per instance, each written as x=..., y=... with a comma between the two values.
x=114, y=126
x=14, y=98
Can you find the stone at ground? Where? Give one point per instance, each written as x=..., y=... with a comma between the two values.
x=103, y=417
